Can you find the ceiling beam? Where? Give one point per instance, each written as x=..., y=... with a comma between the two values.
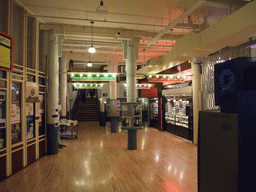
x=65, y=29
x=180, y=18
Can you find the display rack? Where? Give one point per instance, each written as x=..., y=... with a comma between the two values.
x=131, y=116
x=68, y=129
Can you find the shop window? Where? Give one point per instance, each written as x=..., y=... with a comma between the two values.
x=16, y=112
x=17, y=34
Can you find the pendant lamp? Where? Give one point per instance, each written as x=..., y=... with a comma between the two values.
x=92, y=49
x=101, y=10
x=89, y=64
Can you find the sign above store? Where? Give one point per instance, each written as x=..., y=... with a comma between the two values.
x=140, y=86
x=168, y=78
x=87, y=86
x=6, y=52
x=93, y=76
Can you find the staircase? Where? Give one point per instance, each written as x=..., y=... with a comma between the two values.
x=87, y=111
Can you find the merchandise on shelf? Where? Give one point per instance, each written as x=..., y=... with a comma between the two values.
x=175, y=112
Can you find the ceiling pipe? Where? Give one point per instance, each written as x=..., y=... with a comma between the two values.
x=180, y=18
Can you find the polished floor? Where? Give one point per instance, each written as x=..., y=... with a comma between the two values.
x=100, y=161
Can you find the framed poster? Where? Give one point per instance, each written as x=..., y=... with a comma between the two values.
x=6, y=52
x=32, y=92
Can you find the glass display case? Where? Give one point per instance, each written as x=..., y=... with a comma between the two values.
x=131, y=115
x=154, y=108
x=176, y=111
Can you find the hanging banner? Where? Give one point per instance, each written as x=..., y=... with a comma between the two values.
x=32, y=92
x=6, y=52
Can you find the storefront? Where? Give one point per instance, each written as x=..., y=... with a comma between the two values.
x=178, y=111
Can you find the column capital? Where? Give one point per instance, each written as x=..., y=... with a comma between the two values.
x=196, y=60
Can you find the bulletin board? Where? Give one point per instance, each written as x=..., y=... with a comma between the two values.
x=6, y=52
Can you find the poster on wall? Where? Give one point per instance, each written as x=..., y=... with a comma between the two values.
x=30, y=120
x=16, y=112
x=6, y=52
x=32, y=92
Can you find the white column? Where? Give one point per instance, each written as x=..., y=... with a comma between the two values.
x=63, y=87
x=52, y=94
x=130, y=56
x=112, y=84
x=196, y=85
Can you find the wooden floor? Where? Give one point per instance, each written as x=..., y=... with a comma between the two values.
x=100, y=161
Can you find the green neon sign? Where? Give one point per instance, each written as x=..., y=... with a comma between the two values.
x=84, y=86
x=93, y=77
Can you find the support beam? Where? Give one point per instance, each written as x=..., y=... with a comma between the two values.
x=180, y=18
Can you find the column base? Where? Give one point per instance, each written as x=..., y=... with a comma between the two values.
x=132, y=139
x=52, y=139
x=113, y=122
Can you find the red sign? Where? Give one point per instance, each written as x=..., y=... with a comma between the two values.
x=149, y=92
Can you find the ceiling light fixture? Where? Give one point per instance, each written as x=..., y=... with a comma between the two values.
x=101, y=10
x=89, y=64
x=92, y=49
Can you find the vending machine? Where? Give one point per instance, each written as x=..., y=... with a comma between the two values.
x=227, y=138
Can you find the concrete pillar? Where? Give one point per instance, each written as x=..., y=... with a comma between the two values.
x=63, y=87
x=52, y=94
x=112, y=84
x=113, y=95
x=253, y=52
x=130, y=56
x=196, y=85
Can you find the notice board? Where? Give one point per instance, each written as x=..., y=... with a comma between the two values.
x=6, y=52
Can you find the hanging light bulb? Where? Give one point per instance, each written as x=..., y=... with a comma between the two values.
x=92, y=49
x=89, y=64
x=101, y=10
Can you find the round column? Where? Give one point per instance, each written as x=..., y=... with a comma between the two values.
x=113, y=96
x=63, y=87
x=130, y=56
x=196, y=85
x=52, y=94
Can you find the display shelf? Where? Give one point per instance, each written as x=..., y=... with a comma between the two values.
x=131, y=116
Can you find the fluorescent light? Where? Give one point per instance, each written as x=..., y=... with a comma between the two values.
x=98, y=75
x=157, y=76
x=92, y=50
x=89, y=64
x=89, y=75
x=81, y=75
x=150, y=76
x=72, y=75
x=106, y=75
